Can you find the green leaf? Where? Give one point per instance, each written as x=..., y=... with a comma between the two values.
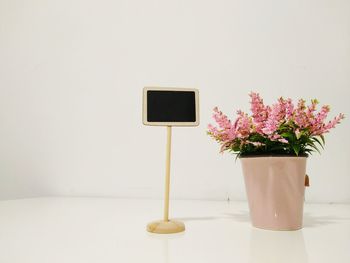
x=323, y=140
x=309, y=150
x=318, y=141
x=296, y=148
x=288, y=135
x=314, y=146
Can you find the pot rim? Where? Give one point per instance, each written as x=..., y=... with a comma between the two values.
x=273, y=156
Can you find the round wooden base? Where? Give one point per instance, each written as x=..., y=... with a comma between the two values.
x=165, y=227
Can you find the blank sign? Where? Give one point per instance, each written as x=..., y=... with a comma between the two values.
x=170, y=107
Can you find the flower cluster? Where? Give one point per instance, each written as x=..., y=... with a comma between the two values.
x=282, y=128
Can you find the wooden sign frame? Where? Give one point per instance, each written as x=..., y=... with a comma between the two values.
x=144, y=107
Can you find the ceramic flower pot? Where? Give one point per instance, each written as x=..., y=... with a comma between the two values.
x=275, y=189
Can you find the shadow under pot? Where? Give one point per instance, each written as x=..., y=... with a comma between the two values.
x=275, y=187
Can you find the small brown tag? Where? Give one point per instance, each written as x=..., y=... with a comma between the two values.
x=307, y=181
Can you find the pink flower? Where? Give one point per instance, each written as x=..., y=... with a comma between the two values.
x=311, y=109
x=317, y=124
x=280, y=113
x=300, y=117
x=225, y=146
x=243, y=125
x=336, y=120
x=259, y=110
x=282, y=140
x=221, y=119
x=274, y=137
x=289, y=108
x=270, y=123
x=275, y=117
x=213, y=130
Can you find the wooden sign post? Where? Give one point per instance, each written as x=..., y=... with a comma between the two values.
x=169, y=107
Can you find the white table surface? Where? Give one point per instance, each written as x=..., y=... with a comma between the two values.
x=113, y=230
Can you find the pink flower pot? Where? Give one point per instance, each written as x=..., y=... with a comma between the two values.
x=275, y=189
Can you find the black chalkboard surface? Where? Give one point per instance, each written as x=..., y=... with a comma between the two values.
x=170, y=107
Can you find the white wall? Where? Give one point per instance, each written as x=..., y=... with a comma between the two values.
x=72, y=73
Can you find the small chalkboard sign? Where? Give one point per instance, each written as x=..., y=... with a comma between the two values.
x=170, y=106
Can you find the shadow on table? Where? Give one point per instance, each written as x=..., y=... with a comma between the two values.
x=314, y=221
x=203, y=218
x=309, y=220
x=241, y=216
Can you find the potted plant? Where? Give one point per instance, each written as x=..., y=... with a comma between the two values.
x=273, y=143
